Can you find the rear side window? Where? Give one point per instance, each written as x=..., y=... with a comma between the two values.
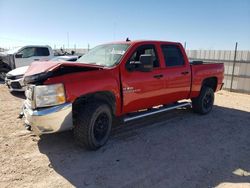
x=42, y=51
x=172, y=55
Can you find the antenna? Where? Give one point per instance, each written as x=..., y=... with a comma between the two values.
x=127, y=39
x=68, y=39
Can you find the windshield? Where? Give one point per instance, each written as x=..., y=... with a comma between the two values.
x=105, y=55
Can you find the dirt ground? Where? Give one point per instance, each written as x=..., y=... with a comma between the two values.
x=174, y=149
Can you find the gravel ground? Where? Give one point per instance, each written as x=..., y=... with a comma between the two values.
x=174, y=149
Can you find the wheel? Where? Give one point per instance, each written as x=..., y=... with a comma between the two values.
x=92, y=124
x=203, y=104
x=3, y=72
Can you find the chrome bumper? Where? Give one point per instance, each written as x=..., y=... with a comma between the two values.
x=49, y=120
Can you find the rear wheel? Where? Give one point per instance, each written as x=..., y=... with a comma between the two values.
x=203, y=104
x=92, y=125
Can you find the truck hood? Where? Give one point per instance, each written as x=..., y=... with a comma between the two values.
x=40, y=71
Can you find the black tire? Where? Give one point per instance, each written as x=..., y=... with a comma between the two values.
x=3, y=72
x=92, y=124
x=203, y=104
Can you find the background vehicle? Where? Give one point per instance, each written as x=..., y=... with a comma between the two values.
x=23, y=56
x=14, y=78
x=116, y=80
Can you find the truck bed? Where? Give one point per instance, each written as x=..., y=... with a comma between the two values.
x=201, y=70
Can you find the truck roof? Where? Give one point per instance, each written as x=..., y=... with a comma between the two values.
x=142, y=41
x=14, y=50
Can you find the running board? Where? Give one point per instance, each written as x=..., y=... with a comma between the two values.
x=139, y=115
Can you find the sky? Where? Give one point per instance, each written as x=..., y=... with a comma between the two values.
x=202, y=24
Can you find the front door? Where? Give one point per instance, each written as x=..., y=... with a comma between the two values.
x=26, y=58
x=142, y=90
x=30, y=54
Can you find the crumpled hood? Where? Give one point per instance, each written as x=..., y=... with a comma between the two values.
x=48, y=66
x=18, y=71
x=38, y=67
x=39, y=71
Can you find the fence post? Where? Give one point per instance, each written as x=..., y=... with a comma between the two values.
x=232, y=77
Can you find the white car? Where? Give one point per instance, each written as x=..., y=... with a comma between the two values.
x=14, y=78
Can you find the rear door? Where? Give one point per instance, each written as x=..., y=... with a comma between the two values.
x=142, y=90
x=177, y=74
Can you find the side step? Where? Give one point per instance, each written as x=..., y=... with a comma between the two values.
x=139, y=115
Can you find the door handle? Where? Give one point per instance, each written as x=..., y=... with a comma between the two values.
x=185, y=72
x=158, y=76
x=36, y=59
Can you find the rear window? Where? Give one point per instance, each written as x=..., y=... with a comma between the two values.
x=172, y=55
x=42, y=51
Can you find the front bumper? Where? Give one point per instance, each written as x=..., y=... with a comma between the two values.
x=49, y=120
x=15, y=85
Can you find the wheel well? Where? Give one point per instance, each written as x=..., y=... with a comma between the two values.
x=210, y=82
x=105, y=96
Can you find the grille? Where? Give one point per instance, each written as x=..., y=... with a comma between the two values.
x=16, y=85
x=29, y=92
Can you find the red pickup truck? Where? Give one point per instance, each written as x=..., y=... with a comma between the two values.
x=123, y=79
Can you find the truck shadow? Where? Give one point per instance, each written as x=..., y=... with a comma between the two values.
x=173, y=149
x=18, y=94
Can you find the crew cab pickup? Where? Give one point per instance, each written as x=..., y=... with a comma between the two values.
x=125, y=80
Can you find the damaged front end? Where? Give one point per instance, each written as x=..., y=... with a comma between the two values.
x=55, y=70
x=46, y=109
x=37, y=78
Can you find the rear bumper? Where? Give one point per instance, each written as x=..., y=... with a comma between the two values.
x=15, y=85
x=49, y=120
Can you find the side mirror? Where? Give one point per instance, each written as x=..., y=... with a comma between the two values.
x=19, y=55
x=146, y=63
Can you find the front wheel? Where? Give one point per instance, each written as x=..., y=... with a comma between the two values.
x=92, y=125
x=203, y=104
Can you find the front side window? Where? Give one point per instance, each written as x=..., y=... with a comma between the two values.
x=172, y=55
x=145, y=49
x=105, y=55
x=28, y=52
